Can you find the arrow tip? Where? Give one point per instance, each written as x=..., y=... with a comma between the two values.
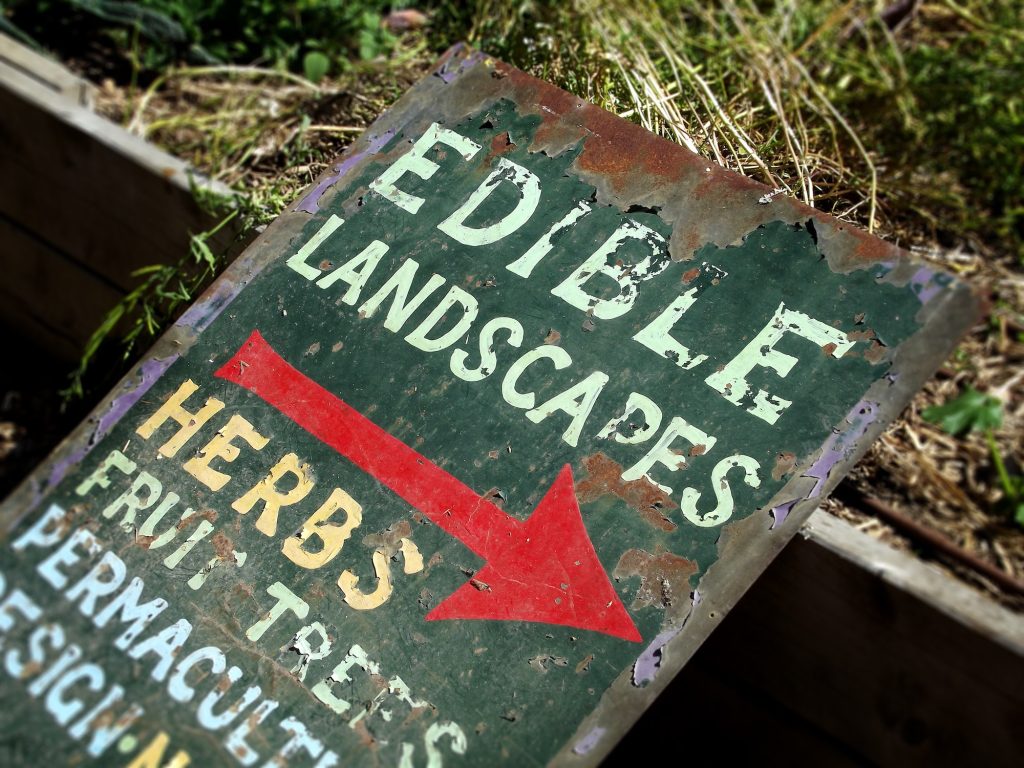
x=549, y=574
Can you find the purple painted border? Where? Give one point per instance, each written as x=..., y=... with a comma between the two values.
x=151, y=370
x=835, y=449
x=588, y=742
x=311, y=202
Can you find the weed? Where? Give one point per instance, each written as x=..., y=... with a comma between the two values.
x=149, y=307
x=976, y=411
x=972, y=410
x=162, y=33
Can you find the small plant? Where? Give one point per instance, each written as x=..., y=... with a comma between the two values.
x=308, y=37
x=976, y=411
x=148, y=308
x=315, y=66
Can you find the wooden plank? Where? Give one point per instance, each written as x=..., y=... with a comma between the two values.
x=50, y=298
x=44, y=71
x=894, y=659
x=103, y=196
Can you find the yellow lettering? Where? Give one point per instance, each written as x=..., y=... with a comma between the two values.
x=152, y=756
x=221, y=447
x=266, y=491
x=367, y=601
x=173, y=409
x=332, y=535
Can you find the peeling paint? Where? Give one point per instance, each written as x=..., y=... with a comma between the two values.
x=785, y=463
x=588, y=742
x=604, y=477
x=928, y=283
x=150, y=370
x=664, y=578
x=838, y=446
x=311, y=202
x=781, y=512
x=199, y=316
x=836, y=449
x=646, y=667
x=447, y=72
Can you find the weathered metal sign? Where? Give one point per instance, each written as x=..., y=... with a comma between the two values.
x=462, y=459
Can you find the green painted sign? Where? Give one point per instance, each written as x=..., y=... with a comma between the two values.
x=461, y=460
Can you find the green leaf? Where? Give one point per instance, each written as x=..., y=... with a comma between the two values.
x=1019, y=517
x=315, y=66
x=972, y=410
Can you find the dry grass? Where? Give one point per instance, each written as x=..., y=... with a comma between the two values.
x=266, y=134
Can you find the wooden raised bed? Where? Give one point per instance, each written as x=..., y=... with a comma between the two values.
x=83, y=204
x=845, y=650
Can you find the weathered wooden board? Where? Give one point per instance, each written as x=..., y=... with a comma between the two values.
x=848, y=651
x=463, y=458
x=48, y=296
x=101, y=201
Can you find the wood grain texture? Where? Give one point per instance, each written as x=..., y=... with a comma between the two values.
x=102, y=201
x=846, y=650
x=53, y=300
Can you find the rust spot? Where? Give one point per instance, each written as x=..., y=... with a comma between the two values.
x=482, y=586
x=105, y=720
x=553, y=337
x=222, y=546
x=785, y=463
x=691, y=274
x=876, y=352
x=365, y=737
x=389, y=540
x=654, y=156
x=604, y=477
x=207, y=514
x=872, y=249
x=867, y=335
x=144, y=541
x=663, y=576
x=829, y=348
x=584, y=665
x=66, y=522
x=253, y=720
x=500, y=145
x=698, y=450
x=243, y=590
x=552, y=106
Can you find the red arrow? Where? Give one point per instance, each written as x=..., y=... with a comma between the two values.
x=543, y=570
